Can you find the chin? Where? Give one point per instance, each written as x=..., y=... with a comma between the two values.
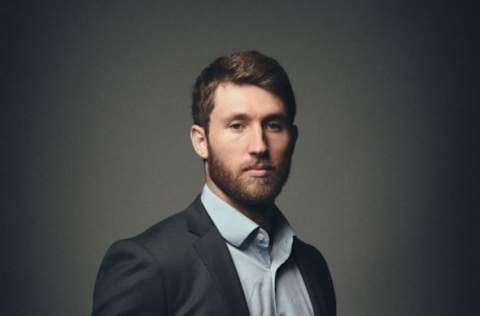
x=257, y=194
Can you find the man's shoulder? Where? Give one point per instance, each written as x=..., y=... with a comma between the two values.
x=304, y=246
x=307, y=251
x=171, y=227
x=139, y=268
x=170, y=236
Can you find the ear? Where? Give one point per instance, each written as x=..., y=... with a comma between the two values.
x=199, y=140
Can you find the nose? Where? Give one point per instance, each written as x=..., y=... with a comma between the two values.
x=258, y=144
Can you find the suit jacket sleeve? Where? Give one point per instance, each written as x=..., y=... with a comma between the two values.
x=129, y=282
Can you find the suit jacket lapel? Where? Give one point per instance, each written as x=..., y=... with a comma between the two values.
x=212, y=249
x=309, y=272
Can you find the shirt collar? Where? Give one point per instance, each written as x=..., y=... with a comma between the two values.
x=232, y=225
x=235, y=227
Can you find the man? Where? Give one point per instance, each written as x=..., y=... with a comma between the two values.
x=231, y=252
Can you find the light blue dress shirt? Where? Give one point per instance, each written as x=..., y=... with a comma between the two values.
x=272, y=283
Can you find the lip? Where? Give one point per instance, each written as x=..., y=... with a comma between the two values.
x=258, y=171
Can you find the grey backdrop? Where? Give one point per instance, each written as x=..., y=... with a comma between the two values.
x=94, y=139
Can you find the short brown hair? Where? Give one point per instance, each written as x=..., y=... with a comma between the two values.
x=249, y=67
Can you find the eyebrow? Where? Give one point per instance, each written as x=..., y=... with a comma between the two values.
x=236, y=116
x=279, y=117
x=246, y=117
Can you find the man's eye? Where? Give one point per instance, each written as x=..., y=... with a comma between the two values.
x=236, y=126
x=274, y=126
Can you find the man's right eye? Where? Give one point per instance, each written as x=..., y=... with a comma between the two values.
x=236, y=127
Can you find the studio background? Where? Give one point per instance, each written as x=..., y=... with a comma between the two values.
x=94, y=141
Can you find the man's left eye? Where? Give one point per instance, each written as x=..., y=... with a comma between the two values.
x=274, y=126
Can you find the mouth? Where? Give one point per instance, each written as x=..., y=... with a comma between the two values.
x=258, y=171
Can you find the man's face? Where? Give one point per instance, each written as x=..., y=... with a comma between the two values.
x=250, y=144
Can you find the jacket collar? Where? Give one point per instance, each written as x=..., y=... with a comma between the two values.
x=215, y=255
x=316, y=278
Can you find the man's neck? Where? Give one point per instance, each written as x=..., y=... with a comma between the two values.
x=260, y=214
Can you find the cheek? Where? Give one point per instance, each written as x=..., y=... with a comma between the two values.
x=281, y=149
x=230, y=149
x=227, y=151
x=232, y=146
x=281, y=155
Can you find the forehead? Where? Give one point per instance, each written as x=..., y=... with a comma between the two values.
x=230, y=98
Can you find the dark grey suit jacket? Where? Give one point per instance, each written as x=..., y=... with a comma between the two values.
x=181, y=266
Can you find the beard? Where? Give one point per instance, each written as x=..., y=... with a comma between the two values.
x=246, y=190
